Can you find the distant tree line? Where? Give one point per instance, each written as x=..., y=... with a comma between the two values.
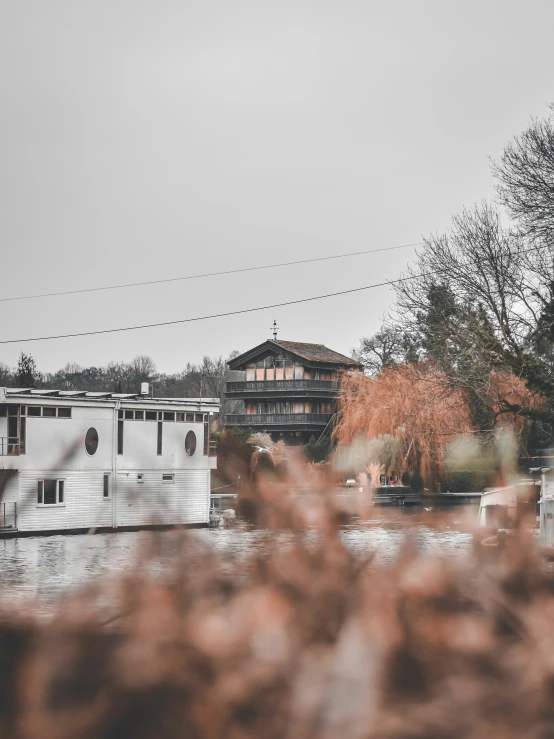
x=206, y=379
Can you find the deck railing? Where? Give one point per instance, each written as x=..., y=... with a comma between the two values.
x=9, y=446
x=8, y=517
x=278, y=419
x=268, y=385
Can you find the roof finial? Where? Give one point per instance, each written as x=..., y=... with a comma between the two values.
x=274, y=328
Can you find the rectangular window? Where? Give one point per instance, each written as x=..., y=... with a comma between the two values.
x=120, y=437
x=168, y=416
x=206, y=437
x=168, y=478
x=151, y=415
x=22, y=410
x=199, y=417
x=160, y=431
x=3, y=411
x=106, y=490
x=48, y=412
x=129, y=415
x=50, y=492
x=64, y=412
x=139, y=415
x=12, y=410
x=120, y=414
x=180, y=417
x=190, y=417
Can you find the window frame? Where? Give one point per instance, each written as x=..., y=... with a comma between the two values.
x=92, y=428
x=107, y=477
x=57, y=504
x=168, y=478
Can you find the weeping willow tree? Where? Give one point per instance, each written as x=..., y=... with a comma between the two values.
x=415, y=404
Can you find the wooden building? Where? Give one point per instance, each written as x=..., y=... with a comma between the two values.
x=289, y=389
x=74, y=460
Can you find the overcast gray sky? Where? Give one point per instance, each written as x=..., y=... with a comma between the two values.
x=144, y=140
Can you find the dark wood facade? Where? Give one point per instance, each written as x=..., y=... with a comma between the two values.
x=289, y=388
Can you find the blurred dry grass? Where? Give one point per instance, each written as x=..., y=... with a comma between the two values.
x=303, y=641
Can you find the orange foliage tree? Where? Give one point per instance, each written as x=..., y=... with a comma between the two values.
x=419, y=405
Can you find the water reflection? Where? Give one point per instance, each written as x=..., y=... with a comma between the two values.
x=44, y=569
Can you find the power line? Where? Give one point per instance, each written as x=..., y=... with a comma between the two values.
x=214, y=315
x=207, y=274
x=244, y=310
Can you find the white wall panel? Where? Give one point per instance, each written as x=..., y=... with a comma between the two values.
x=60, y=442
x=8, y=481
x=85, y=506
x=185, y=501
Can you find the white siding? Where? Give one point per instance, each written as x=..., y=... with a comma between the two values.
x=185, y=501
x=9, y=482
x=85, y=506
x=140, y=446
x=60, y=442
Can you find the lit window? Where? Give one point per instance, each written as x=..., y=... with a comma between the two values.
x=190, y=443
x=50, y=492
x=91, y=441
x=168, y=478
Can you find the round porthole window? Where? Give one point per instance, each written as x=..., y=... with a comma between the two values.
x=91, y=441
x=190, y=443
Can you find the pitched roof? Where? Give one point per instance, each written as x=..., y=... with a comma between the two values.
x=315, y=352
x=308, y=352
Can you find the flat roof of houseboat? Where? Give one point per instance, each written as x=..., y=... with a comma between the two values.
x=45, y=393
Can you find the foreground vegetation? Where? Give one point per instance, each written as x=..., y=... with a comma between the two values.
x=301, y=640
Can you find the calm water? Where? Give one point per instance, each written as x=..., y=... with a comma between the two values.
x=46, y=569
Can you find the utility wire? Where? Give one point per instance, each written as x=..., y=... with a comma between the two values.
x=214, y=315
x=244, y=310
x=207, y=274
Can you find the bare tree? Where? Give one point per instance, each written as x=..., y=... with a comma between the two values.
x=494, y=292
x=384, y=349
x=525, y=174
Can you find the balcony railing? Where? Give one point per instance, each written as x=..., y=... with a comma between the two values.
x=8, y=517
x=9, y=446
x=278, y=419
x=268, y=385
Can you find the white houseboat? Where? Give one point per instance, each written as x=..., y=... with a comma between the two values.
x=73, y=460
